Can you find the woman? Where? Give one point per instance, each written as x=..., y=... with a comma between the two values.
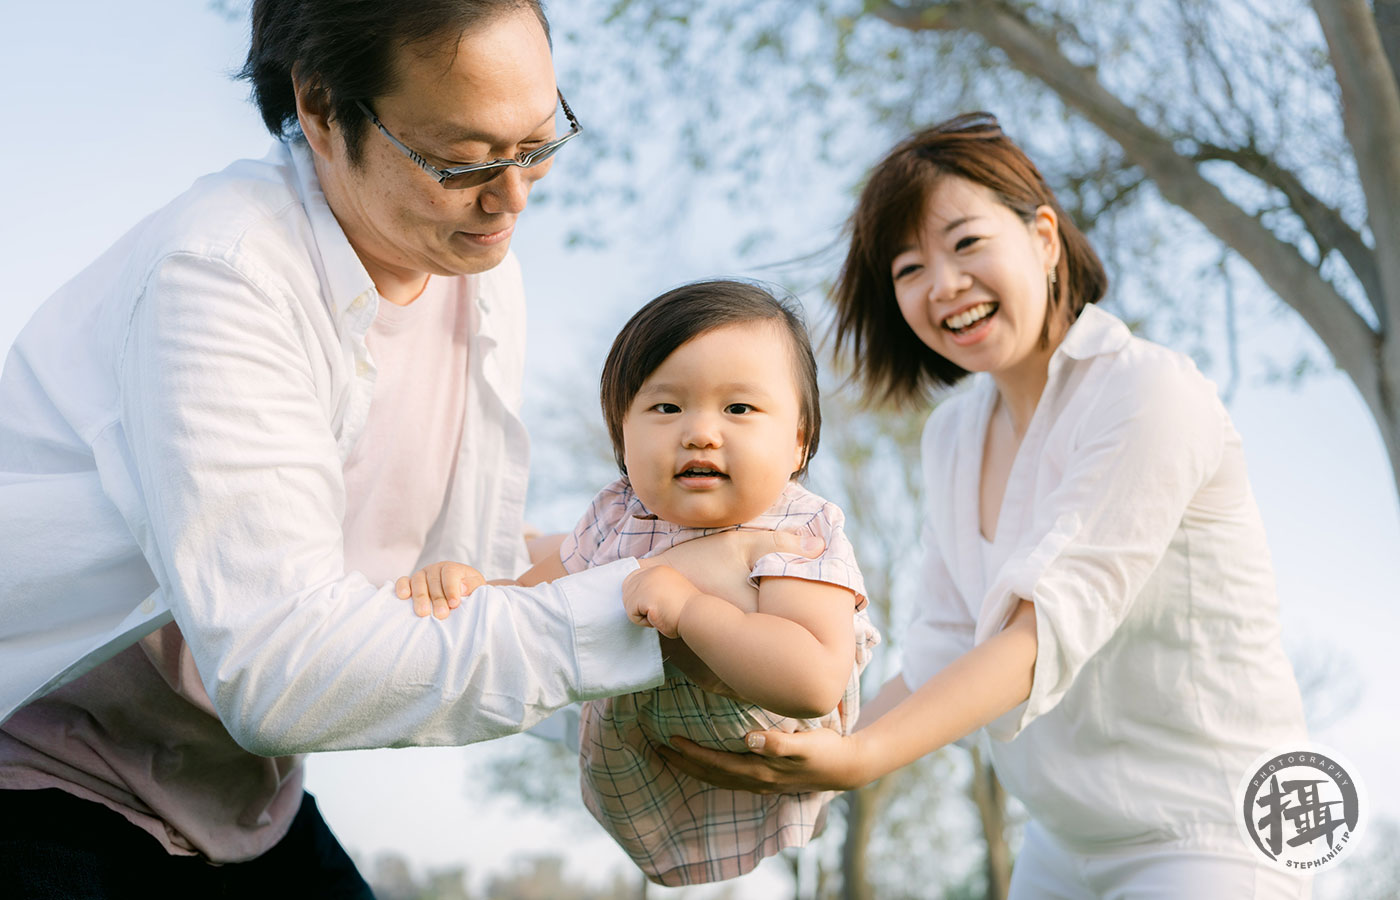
x=1097, y=589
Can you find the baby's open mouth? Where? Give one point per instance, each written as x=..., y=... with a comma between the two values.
x=970, y=318
x=699, y=472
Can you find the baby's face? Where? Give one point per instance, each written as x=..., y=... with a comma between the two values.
x=712, y=437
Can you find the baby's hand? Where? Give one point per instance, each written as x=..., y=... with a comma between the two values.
x=656, y=596
x=438, y=588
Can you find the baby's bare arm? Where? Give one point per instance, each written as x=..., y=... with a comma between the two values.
x=547, y=569
x=793, y=655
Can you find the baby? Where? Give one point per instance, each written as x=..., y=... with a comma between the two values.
x=710, y=395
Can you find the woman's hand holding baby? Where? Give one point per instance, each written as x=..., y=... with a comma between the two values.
x=778, y=762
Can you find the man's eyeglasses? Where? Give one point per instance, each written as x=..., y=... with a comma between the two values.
x=456, y=178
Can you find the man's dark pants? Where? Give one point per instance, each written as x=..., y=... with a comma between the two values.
x=55, y=845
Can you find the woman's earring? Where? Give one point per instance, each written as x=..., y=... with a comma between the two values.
x=1050, y=279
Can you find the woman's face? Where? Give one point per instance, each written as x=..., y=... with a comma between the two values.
x=972, y=283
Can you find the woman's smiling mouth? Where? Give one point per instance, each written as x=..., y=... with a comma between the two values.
x=961, y=323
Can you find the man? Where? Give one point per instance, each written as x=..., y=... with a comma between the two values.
x=222, y=440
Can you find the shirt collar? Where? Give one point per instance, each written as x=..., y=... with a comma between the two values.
x=342, y=273
x=1094, y=333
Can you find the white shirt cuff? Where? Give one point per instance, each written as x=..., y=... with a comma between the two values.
x=614, y=656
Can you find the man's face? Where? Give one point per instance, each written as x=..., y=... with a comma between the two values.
x=486, y=95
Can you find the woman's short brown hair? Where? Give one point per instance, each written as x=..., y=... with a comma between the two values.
x=887, y=357
x=657, y=329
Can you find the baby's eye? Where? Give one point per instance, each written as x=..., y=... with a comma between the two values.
x=738, y=409
x=668, y=408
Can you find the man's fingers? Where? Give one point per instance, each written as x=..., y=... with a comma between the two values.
x=808, y=545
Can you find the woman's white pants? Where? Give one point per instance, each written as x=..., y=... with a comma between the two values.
x=1047, y=870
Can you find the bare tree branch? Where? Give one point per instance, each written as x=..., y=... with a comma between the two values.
x=1349, y=338
x=1371, y=118
x=1325, y=224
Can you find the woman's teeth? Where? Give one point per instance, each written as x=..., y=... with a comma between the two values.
x=969, y=317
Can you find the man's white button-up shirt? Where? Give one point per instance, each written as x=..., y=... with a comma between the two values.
x=173, y=428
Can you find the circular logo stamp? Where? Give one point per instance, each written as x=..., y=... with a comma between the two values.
x=1301, y=807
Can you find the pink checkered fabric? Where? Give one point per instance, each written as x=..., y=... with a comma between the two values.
x=679, y=830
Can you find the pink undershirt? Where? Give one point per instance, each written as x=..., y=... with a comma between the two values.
x=138, y=733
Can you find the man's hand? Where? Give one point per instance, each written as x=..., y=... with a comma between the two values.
x=439, y=588
x=719, y=564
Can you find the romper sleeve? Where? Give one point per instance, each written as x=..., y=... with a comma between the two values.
x=836, y=564
x=587, y=544
x=1143, y=449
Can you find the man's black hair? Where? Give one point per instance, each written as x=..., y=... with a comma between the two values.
x=346, y=50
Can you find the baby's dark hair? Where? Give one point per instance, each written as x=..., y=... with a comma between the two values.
x=687, y=312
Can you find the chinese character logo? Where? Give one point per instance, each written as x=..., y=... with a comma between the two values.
x=1301, y=808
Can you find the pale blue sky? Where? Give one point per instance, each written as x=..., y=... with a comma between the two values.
x=112, y=109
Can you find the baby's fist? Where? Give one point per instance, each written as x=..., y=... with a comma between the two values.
x=655, y=597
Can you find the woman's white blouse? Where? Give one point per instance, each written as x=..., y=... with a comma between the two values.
x=1129, y=522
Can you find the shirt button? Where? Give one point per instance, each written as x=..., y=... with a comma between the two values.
x=361, y=368
x=148, y=606
x=358, y=303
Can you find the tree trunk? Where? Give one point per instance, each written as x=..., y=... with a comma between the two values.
x=990, y=797
x=863, y=808
x=1370, y=356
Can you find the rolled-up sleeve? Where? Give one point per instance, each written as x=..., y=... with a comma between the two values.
x=238, y=465
x=1145, y=448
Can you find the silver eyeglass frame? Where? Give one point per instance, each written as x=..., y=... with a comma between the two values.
x=442, y=176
